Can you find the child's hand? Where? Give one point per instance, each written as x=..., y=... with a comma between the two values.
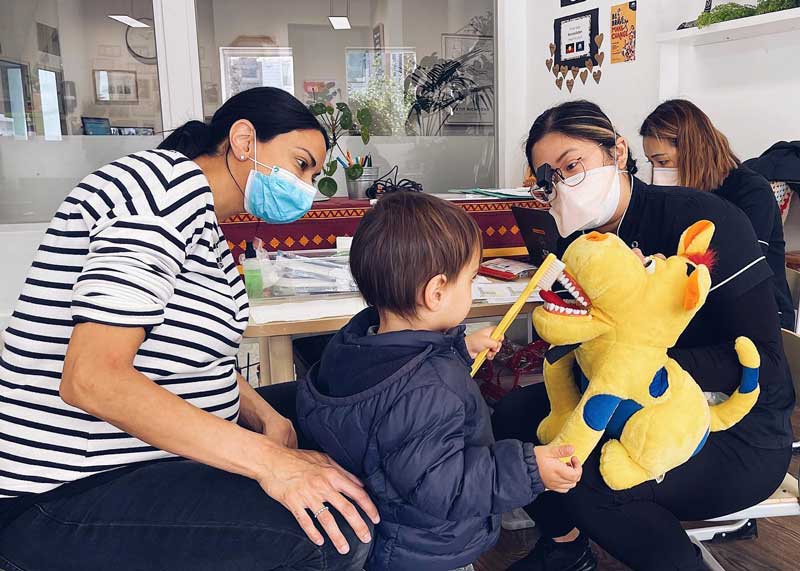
x=481, y=340
x=556, y=475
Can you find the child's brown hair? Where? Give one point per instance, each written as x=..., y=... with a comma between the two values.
x=403, y=242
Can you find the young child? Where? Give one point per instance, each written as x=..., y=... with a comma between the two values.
x=393, y=402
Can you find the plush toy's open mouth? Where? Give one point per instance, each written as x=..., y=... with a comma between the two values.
x=579, y=306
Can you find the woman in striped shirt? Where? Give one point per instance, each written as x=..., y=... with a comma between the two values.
x=127, y=437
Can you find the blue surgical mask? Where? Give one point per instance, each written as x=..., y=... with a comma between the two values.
x=278, y=197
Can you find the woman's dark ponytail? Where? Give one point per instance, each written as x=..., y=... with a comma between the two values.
x=192, y=139
x=272, y=111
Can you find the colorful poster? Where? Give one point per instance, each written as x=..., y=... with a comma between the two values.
x=623, y=32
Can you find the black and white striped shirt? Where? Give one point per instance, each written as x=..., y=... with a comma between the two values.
x=135, y=244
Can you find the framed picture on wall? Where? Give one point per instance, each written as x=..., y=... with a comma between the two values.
x=115, y=86
x=245, y=68
x=574, y=38
x=477, y=67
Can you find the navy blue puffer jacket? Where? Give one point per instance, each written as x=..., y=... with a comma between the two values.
x=400, y=411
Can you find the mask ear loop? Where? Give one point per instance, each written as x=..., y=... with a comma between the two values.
x=255, y=166
x=630, y=177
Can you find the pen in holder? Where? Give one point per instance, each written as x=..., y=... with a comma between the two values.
x=357, y=189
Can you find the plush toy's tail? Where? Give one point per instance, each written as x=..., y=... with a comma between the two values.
x=728, y=413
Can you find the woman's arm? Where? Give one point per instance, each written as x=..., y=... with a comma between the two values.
x=99, y=378
x=752, y=314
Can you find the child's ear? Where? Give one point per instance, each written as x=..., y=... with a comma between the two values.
x=433, y=293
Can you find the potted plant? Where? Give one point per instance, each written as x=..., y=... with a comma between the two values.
x=734, y=11
x=439, y=86
x=338, y=122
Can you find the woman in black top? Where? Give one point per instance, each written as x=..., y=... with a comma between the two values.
x=687, y=150
x=577, y=154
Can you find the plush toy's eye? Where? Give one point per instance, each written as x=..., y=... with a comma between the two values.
x=649, y=265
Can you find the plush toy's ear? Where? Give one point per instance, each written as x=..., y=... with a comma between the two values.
x=696, y=238
x=691, y=296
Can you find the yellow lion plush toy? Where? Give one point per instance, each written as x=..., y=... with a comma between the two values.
x=625, y=317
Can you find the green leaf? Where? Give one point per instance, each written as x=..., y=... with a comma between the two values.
x=354, y=172
x=346, y=120
x=327, y=186
x=330, y=168
x=318, y=108
x=329, y=110
x=343, y=107
x=364, y=135
x=364, y=117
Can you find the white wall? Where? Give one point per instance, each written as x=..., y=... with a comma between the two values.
x=627, y=92
x=747, y=87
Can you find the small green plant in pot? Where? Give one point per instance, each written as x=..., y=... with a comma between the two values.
x=733, y=11
x=338, y=122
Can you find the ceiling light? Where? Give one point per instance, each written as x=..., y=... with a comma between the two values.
x=340, y=22
x=128, y=21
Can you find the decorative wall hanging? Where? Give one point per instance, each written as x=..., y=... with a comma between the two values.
x=623, y=32
x=573, y=38
x=576, y=50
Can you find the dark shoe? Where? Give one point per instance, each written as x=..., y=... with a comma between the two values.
x=551, y=556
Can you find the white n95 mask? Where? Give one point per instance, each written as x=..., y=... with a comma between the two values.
x=588, y=205
x=666, y=177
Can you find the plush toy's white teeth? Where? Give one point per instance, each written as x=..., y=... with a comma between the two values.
x=566, y=280
x=553, y=308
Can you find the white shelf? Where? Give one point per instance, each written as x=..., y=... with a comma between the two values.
x=743, y=28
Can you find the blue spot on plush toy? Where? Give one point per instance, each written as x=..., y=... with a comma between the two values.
x=624, y=319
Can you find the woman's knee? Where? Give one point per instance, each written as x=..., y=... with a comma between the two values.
x=356, y=557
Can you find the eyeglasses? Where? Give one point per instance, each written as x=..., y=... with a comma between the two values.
x=547, y=178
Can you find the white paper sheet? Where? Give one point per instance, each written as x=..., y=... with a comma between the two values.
x=489, y=291
x=305, y=310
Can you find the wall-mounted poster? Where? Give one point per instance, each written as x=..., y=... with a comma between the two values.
x=244, y=68
x=377, y=37
x=574, y=38
x=321, y=91
x=565, y=3
x=623, y=32
x=115, y=86
x=477, y=53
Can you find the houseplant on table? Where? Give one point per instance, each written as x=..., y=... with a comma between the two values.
x=338, y=122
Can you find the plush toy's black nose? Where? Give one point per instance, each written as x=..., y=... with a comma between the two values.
x=690, y=269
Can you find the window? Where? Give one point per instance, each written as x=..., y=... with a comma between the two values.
x=424, y=69
x=77, y=90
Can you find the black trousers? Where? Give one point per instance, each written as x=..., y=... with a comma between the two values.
x=641, y=526
x=171, y=515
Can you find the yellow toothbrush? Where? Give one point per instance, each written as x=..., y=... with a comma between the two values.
x=544, y=278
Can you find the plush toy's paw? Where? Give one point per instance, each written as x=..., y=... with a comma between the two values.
x=618, y=469
x=550, y=427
